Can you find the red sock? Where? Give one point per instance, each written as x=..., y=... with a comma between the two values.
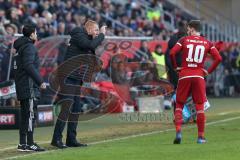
x=178, y=117
x=200, y=119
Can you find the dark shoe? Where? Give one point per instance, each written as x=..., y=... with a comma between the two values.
x=59, y=144
x=178, y=138
x=177, y=141
x=22, y=148
x=34, y=147
x=75, y=144
x=201, y=140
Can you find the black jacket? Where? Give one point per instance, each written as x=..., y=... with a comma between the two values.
x=81, y=43
x=142, y=54
x=173, y=77
x=26, y=69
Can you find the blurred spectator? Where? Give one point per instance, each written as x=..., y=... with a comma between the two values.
x=11, y=29
x=14, y=17
x=61, y=28
x=4, y=58
x=3, y=21
x=234, y=52
x=238, y=62
x=143, y=54
x=118, y=70
x=62, y=49
x=146, y=74
x=219, y=83
x=159, y=60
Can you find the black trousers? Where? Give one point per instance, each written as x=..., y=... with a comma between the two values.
x=27, y=120
x=70, y=111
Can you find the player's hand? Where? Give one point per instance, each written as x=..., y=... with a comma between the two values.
x=205, y=72
x=103, y=29
x=43, y=85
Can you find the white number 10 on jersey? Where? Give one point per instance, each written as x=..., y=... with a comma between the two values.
x=198, y=54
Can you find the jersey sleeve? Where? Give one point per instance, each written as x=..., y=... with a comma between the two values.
x=175, y=50
x=180, y=41
x=216, y=58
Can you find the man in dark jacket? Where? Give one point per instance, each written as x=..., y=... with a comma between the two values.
x=172, y=74
x=28, y=81
x=143, y=54
x=84, y=40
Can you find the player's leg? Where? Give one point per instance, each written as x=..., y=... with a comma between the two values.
x=183, y=91
x=199, y=98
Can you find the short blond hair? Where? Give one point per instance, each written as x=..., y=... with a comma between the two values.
x=90, y=23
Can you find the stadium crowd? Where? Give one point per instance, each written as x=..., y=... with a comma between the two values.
x=59, y=17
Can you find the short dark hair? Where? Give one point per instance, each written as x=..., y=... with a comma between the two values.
x=158, y=46
x=196, y=24
x=28, y=29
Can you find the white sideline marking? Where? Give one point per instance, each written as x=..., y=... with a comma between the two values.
x=121, y=138
x=225, y=113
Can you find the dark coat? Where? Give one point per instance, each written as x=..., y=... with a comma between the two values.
x=26, y=69
x=81, y=44
x=142, y=54
x=173, y=77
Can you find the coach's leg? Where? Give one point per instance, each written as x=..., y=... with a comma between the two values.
x=71, y=140
x=31, y=121
x=33, y=116
x=73, y=120
x=23, y=122
x=65, y=104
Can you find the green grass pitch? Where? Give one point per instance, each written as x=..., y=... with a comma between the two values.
x=222, y=133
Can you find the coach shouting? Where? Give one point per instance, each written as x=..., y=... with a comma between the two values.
x=28, y=81
x=84, y=40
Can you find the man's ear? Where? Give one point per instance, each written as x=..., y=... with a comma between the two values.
x=89, y=31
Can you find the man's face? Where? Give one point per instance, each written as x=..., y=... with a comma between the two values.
x=159, y=50
x=145, y=45
x=189, y=31
x=34, y=36
x=94, y=30
x=2, y=13
x=10, y=30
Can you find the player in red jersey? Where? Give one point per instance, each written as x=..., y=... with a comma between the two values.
x=194, y=49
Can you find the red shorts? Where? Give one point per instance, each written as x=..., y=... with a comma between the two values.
x=194, y=86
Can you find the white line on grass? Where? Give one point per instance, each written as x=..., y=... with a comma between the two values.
x=123, y=138
x=225, y=113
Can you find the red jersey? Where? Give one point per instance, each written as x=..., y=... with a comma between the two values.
x=194, y=52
